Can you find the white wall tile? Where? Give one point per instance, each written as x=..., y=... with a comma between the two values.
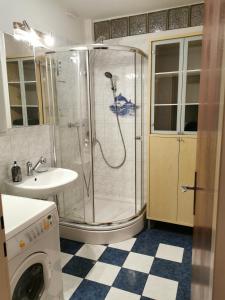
x=23, y=144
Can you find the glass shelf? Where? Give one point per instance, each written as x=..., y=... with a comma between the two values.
x=166, y=74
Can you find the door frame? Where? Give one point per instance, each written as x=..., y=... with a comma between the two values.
x=4, y=282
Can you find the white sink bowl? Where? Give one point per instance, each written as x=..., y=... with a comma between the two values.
x=43, y=185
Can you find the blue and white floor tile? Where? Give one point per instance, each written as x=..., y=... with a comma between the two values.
x=156, y=264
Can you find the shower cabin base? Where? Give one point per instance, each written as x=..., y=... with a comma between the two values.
x=100, y=234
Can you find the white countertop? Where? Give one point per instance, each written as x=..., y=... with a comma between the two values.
x=20, y=212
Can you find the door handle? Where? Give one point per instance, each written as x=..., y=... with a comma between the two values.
x=186, y=188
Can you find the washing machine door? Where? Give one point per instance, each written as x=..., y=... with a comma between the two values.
x=32, y=278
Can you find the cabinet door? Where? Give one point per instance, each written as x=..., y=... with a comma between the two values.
x=164, y=153
x=167, y=61
x=191, y=83
x=187, y=167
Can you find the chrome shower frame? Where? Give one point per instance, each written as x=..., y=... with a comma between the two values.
x=83, y=231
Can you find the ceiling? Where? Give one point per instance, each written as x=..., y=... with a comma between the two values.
x=103, y=9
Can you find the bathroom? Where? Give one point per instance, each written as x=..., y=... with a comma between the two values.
x=111, y=134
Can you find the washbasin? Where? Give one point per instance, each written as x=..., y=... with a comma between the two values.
x=42, y=185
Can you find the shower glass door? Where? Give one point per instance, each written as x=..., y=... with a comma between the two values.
x=73, y=132
x=97, y=97
x=117, y=191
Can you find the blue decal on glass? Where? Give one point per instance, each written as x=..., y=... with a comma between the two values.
x=123, y=107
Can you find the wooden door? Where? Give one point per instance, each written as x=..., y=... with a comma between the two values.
x=4, y=278
x=209, y=241
x=187, y=168
x=164, y=152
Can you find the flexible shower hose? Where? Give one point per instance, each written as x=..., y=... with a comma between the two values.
x=87, y=182
x=122, y=139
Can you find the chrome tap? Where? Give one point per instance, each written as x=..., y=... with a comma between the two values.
x=31, y=169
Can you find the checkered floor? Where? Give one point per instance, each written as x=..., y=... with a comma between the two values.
x=156, y=264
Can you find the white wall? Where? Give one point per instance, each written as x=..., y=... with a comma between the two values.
x=142, y=41
x=43, y=15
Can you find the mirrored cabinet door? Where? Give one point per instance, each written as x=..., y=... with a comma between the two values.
x=23, y=91
x=175, y=85
x=15, y=96
x=23, y=82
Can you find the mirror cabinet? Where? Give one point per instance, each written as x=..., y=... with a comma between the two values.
x=21, y=84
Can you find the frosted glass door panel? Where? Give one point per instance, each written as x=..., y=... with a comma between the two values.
x=29, y=70
x=17, y=115
x=191, y=118
x=192, y=90
x=31, y=94
x=32, y=116
x=167, y=57
x=166, y=89
x=13, y=71
x=166, y=118
x=194, y=54
x=15, y=94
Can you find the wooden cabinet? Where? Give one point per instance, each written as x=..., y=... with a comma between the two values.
x=172, y=164
x=174, y=98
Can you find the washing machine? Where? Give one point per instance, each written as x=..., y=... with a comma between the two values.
x=33, y=249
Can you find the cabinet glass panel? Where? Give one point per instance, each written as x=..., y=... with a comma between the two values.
x=17, y=115
x=191, y=118
x=15, y=94
x=13, y=71
x=32, y=115
x=167, y=57
x=192, y=89
x=166, y=89
x=31, y=94
x=194, y=55
x=29, y=70
x=165, y=118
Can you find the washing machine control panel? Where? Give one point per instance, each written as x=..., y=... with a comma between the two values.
x=30, y=235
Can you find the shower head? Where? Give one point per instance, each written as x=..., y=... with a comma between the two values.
x=108, y=75
x=113, y=81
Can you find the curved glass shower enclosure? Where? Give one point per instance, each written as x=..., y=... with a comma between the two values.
x=98, y=96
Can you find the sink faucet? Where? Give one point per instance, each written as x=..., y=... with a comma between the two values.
x=30, y=169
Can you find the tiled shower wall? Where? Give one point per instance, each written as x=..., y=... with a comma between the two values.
x=175, y=18
x=114, y=184
x=22, y=145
